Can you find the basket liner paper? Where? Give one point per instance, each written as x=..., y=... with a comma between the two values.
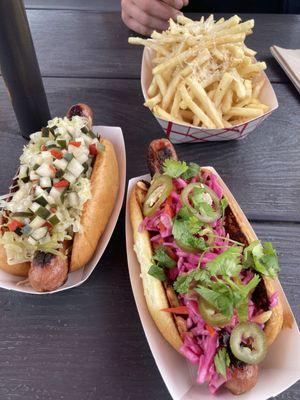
x=278, y=372
x=180, y=133
x=76, y=278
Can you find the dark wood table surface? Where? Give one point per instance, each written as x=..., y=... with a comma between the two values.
x=87, y=343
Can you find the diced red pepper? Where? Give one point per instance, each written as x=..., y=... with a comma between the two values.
x=168, y=207
x=211, y=330
x=74, y=143
x=43, y=147
x=56, y=153
x=177, y=310
x=48, y=225
x=93, y=149
x=14, y=224
x=61, y=184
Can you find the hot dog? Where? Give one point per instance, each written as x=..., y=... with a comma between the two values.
x=61, y=201
x=208, y=282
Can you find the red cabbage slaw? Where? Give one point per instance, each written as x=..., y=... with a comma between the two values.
x=200, y=342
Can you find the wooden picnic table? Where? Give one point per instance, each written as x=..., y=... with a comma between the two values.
x=88, y=343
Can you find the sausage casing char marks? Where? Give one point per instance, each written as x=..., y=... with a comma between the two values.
x=244, y=376
x=159, y=150
x=48, y=271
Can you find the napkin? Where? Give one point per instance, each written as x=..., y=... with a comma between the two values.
x=290, y=63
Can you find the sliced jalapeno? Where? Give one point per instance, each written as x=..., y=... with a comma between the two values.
x=158, y=192
x=211, y=214
x=248, y=343
x=211, y=315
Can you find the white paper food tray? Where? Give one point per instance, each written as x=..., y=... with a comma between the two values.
x=76, y=278
x=179, y=133
x=279, y=371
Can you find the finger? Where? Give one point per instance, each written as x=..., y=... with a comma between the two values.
x=135, y=25
x=157, y=9
x=145, y=19
x=185, y=2
x=178, y=4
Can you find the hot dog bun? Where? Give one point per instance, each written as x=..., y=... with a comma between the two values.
x=16, y=269
x=96, y=213
x=154, y=290
x=97, y=210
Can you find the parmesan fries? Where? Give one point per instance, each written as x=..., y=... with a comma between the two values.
x=203, y=74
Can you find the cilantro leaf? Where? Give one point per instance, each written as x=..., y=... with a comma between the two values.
x=184, y=235
x=219, y=296
x=182, y=283
x=157, y=272
x=193, y=170
x=262, y=258
x=221, y=361
x=226, y=263
x=163, y=259
x=174, y=168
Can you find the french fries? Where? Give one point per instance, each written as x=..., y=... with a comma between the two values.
x=203, y=73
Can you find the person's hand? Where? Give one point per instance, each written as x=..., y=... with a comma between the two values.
x=144, y=16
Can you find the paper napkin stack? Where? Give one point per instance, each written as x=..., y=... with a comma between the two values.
x=290, y=63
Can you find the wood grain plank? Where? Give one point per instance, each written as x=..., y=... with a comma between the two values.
x=263, y=170
x=85, y=5
x=88, y=343
x=94, y=44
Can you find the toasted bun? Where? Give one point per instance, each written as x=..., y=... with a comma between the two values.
x=16, y=269
x=97, y=210
x=154, y=290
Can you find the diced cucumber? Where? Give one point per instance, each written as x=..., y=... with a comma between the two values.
x=61, y=163
x=25, y=179
x=91, y=134
x=45, y=182
x=51, y=146
x=85, y=166
x=34, y=206
x=41, y=200
x=23, y=172
x=62, y=143
x=31, y=241
x=73, y=199
x=43, y=212
x=33, y=176
x=59, y=174
x=22, y=214
x=44, y=170
x=35, y=167
x=39, y=233
x=69, y=177
x=37, y=222
x=18, y=231
x=52, y=129
x=54, y=220
x=81, y=157
x=45, y=132
x=26, y=230
x=56, y=194
x=68, y=156
x=75, y=167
